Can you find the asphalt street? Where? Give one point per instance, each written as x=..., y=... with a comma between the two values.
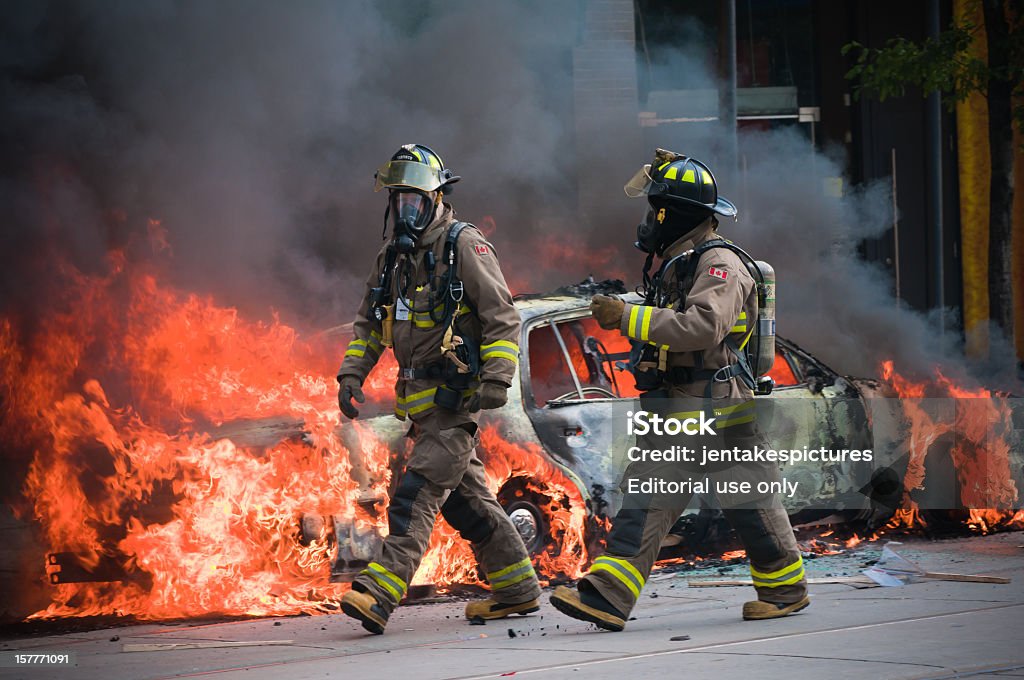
x=931, y=629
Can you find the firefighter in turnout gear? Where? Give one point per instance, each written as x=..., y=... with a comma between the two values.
x=437, y=297
x=689, y=341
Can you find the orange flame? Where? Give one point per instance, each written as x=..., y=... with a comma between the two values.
x=123, y=400
x=980, y=453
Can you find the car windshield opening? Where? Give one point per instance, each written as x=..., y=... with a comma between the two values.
x=582, y=361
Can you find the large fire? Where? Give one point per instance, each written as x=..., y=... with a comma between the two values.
x=175, y=446
x=981, y=422
x=124, y=398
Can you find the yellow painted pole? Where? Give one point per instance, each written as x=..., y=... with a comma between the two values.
x=975, y=178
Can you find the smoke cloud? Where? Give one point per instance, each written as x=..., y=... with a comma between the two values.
x=799, y=212
x=251, y=131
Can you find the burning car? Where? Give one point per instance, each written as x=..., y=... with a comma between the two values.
x=181, y=460
x=553, y=454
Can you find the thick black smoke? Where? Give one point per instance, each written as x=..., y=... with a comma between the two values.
x=251, y=130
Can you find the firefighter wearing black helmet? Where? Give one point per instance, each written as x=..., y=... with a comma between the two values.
x=437, y=297
x=688, y=335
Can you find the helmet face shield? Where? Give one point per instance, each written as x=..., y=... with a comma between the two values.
x=681, y=179
x=640, y=184
x=408, y=175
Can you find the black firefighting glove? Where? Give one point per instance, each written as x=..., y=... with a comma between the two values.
x=607, y=310
x=349, y=388
x=490, y=395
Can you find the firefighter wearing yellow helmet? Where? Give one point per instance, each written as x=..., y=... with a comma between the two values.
x=437, y=297
x=692, y=356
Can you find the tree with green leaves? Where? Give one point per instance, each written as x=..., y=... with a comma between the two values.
x=972, y=57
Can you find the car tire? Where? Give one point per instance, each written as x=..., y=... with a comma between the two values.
x=525, y=508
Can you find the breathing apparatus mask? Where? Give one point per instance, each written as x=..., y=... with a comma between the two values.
x=664, y=224
x=411, y=211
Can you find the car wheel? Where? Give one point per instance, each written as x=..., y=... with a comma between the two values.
x=524, y=508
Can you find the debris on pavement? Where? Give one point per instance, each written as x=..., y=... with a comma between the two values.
x=892, y=569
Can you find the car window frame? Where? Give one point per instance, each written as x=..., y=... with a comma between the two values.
x=791, y=353
x=551, y=319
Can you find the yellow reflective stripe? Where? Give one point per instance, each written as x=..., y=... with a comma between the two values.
x=615, y=572
x=707, y=176
x=768, y=576
x=501, y=343
x=631, y=326
x=500, y=349
x=403, y=408
x=508, y=570
x=663, y=164
x=525, y=573
x=776, y=584
x=421, y=408
x=629, y=567
x=688, y=176
x=387, y=580
x=417, y=395
x=622, y=570
x=645, y=325
x=672, y=172
x=742, y=316
x=499, y=354
x=510, y=575
x=356, y=348
x=639, y=325
x=747, y=339
x=415, y=403
x=423, y=320
x=738, y=328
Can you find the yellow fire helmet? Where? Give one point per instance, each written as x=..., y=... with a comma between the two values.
x=415, y=166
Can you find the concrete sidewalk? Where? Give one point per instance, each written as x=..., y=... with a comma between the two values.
x=935, y=629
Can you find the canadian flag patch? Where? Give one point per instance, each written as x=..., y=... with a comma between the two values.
x=720, y=273
x=481, y=249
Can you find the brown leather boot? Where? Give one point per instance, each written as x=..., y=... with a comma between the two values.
x=588, y=606
x=492, y=609
x=758, y=609
x=364, y=607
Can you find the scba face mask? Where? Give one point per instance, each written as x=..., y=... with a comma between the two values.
x=666, y=222
x=648, y=232
x=411, y=212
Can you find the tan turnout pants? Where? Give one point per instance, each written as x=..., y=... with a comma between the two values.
x=445, y=475
x=761, y=523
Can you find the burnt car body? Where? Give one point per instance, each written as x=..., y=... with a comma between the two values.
x=572, y=379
